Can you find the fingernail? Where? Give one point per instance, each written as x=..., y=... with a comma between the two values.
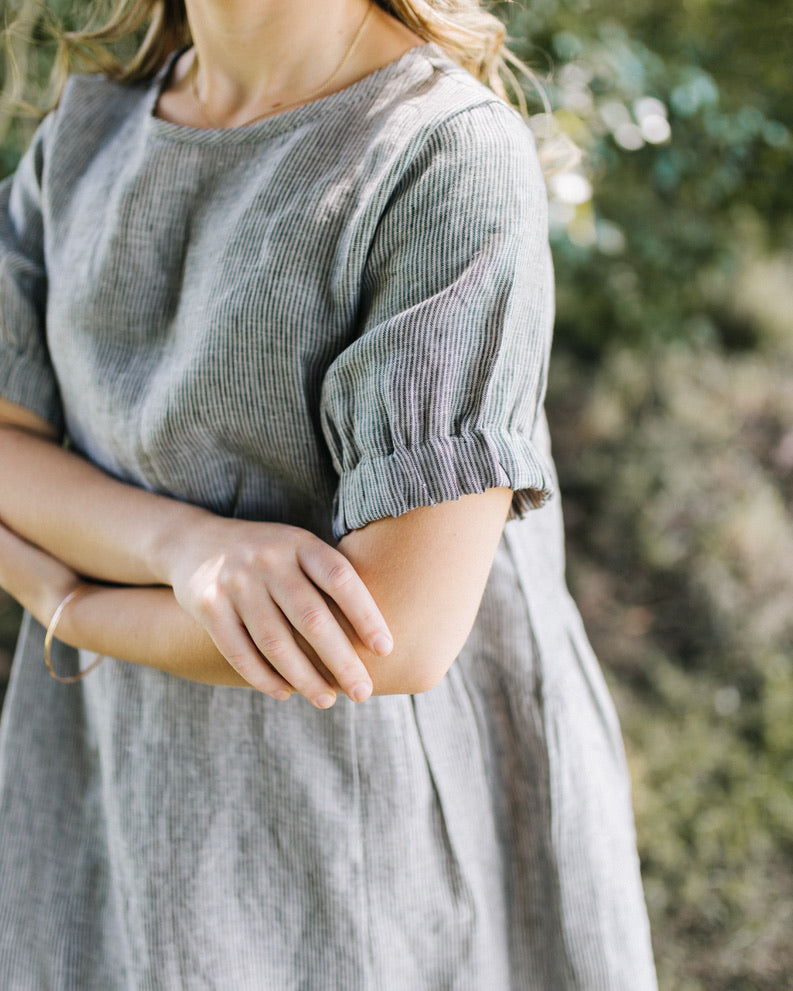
x=361, y=692
x=324, y=701
x=382, y=644
x=282, y=695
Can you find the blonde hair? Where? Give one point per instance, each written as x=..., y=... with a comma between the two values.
x=469, y=34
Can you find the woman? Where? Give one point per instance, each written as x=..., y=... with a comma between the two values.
x=287, y=291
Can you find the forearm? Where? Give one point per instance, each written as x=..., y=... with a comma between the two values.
x=98, y=526
x=141, y=625
x=148, y=627
x=145, y=626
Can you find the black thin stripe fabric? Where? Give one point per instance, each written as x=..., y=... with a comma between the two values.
x=331, y=316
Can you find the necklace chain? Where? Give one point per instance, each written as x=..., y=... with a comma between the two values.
x=279, y=108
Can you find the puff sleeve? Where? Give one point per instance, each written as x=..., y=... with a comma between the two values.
x=439, y=394
x=26, y=374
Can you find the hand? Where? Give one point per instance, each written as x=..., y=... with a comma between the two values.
x=258, y=587
x=38, y=581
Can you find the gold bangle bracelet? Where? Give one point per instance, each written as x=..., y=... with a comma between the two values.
x=69, y=679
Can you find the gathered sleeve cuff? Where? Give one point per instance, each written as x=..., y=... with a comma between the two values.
x=442, y=470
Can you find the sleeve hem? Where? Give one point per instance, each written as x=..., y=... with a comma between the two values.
x=24, y=382
x=442, y=470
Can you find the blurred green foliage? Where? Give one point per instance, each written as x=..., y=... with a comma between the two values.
x=649, y=255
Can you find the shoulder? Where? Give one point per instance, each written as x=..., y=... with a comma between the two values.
x=94, y=100
x=86, y=107
x=91, y=110
x=440, y=102
x=433, y=127
x=93, y=115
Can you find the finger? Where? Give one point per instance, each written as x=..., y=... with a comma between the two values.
x=330, y=570
x=232, y=640
x=316, y=660
x=312, y=619
x=272, y=636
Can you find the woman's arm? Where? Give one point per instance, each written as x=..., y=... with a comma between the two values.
x=251, y=585
x=142, y=625
x=426, y=570
x=96, y=525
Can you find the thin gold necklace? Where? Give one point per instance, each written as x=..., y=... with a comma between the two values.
x=279, y=108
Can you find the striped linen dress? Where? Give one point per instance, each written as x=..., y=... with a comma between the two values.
x=325, y=318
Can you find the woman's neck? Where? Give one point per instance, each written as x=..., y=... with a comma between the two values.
x=253, y=58
x=253, y=54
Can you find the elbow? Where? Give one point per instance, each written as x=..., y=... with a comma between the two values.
x=411, y=672
x=423, y=681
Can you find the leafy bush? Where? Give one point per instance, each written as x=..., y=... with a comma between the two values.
x=677, y=469
x=685, y=149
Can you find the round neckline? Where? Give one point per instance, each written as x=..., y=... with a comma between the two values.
x=278, y=123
